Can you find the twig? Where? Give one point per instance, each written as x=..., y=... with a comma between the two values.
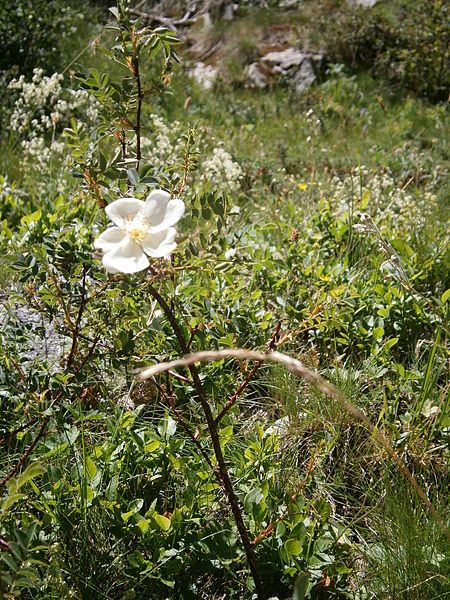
x=77, y=324
x=4, y=546
x=89, y=353
x=185, y=425
x=140, y=99
x=222, y=468
x=10, y=434
x=26, y=454
x=187, y=19
x=191, y=337
x=180, y=377
x=232, y=401
x=297, y=368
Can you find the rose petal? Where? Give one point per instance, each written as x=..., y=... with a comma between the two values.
x=155, y=207
x=160, y=244
x=123, y=211
x=126, y=257
x=174, y=212
x=109, y=238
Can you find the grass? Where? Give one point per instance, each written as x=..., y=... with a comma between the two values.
x=127, y=505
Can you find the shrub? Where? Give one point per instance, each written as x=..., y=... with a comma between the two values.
x=35, y=33
x=408, y=46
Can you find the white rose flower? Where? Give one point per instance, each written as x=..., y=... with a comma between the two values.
x=142, y=229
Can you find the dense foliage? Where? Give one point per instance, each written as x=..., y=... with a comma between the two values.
x=406, y=44
x=314, y=225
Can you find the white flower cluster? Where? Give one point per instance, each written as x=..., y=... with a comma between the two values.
x=163, y=149
x=43, y=105
x=315, y=124
x=42, y=153
x=387, y=201
x=5, y=187
x=204, y=75
x=221, y=171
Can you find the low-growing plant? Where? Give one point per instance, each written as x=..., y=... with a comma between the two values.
x=127, y=471
x=407, y=44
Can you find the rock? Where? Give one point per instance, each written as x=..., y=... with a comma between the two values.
x=363, y=3
x=281, y=61
x=290, y=3
x=228, y=11
x=304, y=77
x=295, y=66
x=255, y=76
x=41, y=341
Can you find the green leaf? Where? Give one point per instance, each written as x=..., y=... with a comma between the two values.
x=10, y=500
x=143, y=525
x=32, y=471
x=293, y=547
x=91, y=469
x=301, y=586
x=135, y=507
x=445, y=296
x=133, y=177
x=378, y=333
x=151, y=446
x=167, y=426
x=28, y=219
x=255, y=496
x=390, y=343
x=163, y=522
x=9, y=560
x=114, y=11
x=365, y=200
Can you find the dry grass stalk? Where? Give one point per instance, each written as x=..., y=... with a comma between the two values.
x=297, y=368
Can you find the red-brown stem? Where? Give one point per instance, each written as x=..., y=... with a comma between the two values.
x=233, y=399
x=26, y=454
x=185, y=426
x=222, y=468
x=140, y=100
x=191, y=338
x=77, y=325
x=12, y=434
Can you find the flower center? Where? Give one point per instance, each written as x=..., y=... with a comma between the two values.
x=136, y=234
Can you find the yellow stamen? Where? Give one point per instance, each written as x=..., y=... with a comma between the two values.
x=136, y=234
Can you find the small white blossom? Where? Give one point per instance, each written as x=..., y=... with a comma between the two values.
x=360, y=228
x=142, y=229
x=221, y=171
x=164, y=146
x=204, y=75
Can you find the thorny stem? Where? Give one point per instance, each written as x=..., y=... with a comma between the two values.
x=232, y=401
x=77, y=325
x=185, y=426
x=140, y=100
x=222, y=468
x=26, y=454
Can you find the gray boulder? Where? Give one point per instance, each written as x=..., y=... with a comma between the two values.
x=363, y=3
x=297, y=67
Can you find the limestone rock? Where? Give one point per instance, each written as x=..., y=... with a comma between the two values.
x=297, y=67
x=255, y=76
x=363, y=3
